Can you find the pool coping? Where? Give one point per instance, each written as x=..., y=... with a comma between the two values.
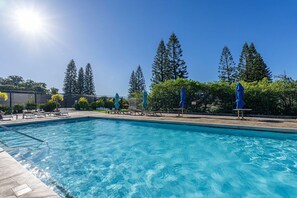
x=178, y=122
x=17, y=181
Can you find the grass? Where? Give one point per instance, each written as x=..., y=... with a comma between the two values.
x=100, y=111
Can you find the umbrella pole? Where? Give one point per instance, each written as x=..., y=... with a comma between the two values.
x=182, y=110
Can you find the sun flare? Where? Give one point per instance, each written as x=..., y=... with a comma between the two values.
x=29, y=21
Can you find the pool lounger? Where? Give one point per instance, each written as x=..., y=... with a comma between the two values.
x=6, y=117
x=60, y=113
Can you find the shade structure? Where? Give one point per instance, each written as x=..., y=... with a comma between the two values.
x=116, y=101
x=144, y=103
x=182, y=103
x=239, y=96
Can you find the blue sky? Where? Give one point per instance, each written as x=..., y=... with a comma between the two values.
x=116, y=36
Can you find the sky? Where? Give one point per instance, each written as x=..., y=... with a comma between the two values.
x=116, y=36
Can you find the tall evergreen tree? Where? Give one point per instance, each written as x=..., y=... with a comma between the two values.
x=89, y=81
x=261, y=70
x=241, y=68
x=227, y=68
x=160, y=69
x=80, y=81
x=177, y=65
x=70, y=79
x=132, y=84
x=140, y=81
x=136, y=82
x=256, y=69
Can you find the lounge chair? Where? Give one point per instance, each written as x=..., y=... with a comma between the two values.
x=28, y=114
x=6, y=117
x=60, y=113
x=153, y=113
x=40, y=114
x=136, y=111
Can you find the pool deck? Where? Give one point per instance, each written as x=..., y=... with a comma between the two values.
x=16, y=181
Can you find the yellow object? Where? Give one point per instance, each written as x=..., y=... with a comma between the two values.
x=57, y=97
x=4, y=96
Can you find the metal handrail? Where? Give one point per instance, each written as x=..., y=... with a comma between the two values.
x=24, y=134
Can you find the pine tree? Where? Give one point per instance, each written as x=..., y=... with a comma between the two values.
x=70, y=79
x=256, y=69
x=177, y=65
x=89, y=81
x=227, y=68
x=140, y=81
x=132, y=84
x=260, y=69
x=80, y=81
x=160, y=68
x=136, y=82
x=241, y=68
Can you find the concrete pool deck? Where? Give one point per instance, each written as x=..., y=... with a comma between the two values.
x=16, y=181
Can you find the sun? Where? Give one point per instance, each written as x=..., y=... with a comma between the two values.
x=29, y=21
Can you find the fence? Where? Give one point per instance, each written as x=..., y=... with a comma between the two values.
x=22, y=97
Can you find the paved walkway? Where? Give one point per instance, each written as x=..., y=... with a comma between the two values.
x=16, y=181
x=272, y=124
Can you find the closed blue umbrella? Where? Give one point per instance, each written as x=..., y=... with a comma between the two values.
x=116, y=101
x=182, y=103
x=239, y=96
x=144, y=104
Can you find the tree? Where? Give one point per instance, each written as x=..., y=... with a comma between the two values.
x=256, y=69
x=260, y=69
x=80, y=81
x=227, y=69
x=177, y=65
x=160, y=68
x=3, y=95
x=140, y=81
x=89, y=81
x=54, y=90
x=241, y=68
x=13, y=80
x=70, y=79
x=57, y=98
x=284, y=78
x=132, y=84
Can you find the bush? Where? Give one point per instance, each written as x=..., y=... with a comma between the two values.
x=109, y=104
x=5, y=109
x=263, y=97
x=31, y=105
x=49, y=106
x=83, y=103
x=18, y=108
x=99, y=103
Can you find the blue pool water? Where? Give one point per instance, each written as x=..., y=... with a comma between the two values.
x=112, y=158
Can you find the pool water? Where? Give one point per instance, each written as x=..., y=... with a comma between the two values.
x=113, y=158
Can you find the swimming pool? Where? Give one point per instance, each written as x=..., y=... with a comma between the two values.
x=117, y=158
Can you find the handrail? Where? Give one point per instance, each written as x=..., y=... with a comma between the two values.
x=24, y=134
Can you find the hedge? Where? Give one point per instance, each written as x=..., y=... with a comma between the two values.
x=264, y=97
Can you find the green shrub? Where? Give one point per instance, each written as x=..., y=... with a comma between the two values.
x=49, y=106
x=18, y=108
x=6, y=109
x=76, y=106
x=100, y=103
x=30, y=105
x=83, y=103
x=109, y=104
x=263, y=97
